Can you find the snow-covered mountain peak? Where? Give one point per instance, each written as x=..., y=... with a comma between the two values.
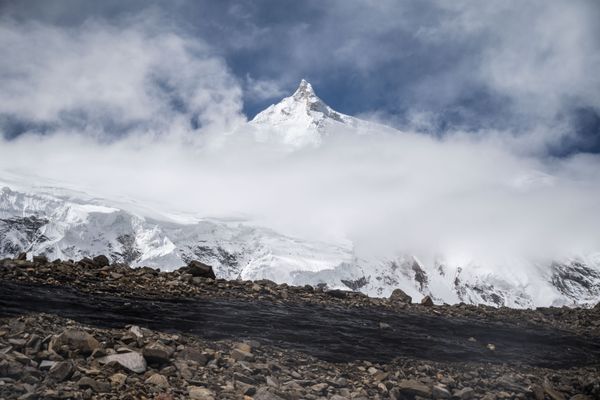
x=305, y=91
x=299, y=119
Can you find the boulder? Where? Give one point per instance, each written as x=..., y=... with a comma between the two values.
x=101, y=261
x=398, y=296
x=132, y=361
x=427, y=301
x=76, y=340
x=198, y=269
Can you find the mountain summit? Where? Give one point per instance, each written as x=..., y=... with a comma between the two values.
x=300, y=119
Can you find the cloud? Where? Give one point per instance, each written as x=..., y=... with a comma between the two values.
x=142, y=108
x=454, y=196
x=104, y=79
x=263, y=89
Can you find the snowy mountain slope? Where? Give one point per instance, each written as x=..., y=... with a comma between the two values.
x=68, y=223
x=41, y=223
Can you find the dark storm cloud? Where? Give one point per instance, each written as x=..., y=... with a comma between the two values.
x=435, y=66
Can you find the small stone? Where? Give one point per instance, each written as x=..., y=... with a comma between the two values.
x=240, y=355
x=427, y=301
x=383, y=325
x=40, y=259
x=338, y=294
x=158, y=353
x=243, y=347
x=580, y=397
x=47, y=364
x=98, y=353
x=491, y=347
x=319, y=387
x=265, y=393
x=132, y=361
x=272, y=381
x=553, y=393
x=440, y=392
x=89, y=383
x=464, y=393
x=21, y=257
x=118, y=379
x=157, y=380
x=192, y=354
x=538, y=392
x=77, y=340
x=200, y=393
x=136, y=331
x=414, y=388
x=61, y=371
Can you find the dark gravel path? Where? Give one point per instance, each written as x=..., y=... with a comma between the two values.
x=330, y=333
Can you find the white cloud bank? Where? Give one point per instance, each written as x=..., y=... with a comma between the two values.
x=462, y=196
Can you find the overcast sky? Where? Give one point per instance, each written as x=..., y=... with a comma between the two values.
x=436, y=66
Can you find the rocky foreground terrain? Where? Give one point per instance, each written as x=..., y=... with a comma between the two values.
x=88, y=329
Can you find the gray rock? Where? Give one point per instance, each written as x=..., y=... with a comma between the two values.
x=413, y=387
x=465, y=393
x=265, y=393
x=198, y=269
x=427, y=301
x=61, y=371
x=89, y=383
x=200, y=393
x=40, y=259
x=552, y=393
x=157, y=352
x=241, y=355
x=76, y=340
x=157, y=380
x=399, y=296
x=440, y=392
x=101, y=261
x=47, y=364
x=132, y=361
x=191, y=354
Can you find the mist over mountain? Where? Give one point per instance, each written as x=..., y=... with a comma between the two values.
x=462, y=166
x=303, y=194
